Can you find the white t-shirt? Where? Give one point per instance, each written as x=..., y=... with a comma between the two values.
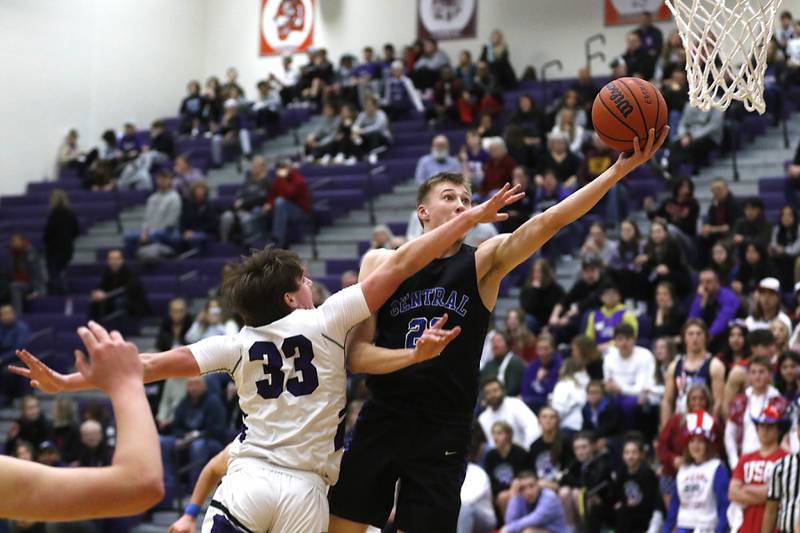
x=568, y=398
x=477, y=491
x=518, y=416
x=753, y=324
x=750, y=442
x=291, y=379
x=634, y=373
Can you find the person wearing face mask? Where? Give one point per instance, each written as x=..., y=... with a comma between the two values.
x=439, y=160
x=211, y=322
x=289, y=201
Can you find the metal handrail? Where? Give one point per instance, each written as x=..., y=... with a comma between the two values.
x=587, y=47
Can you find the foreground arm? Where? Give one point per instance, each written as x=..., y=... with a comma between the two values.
x=133, y=482
x=208, y=480
x=500, y=255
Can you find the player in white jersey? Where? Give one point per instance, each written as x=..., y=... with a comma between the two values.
x=289, y=367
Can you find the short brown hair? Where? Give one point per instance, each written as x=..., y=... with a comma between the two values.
x=699, y=322
x=456, y=178
x=257, y=284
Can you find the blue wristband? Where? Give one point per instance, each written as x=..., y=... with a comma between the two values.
x=192, y=510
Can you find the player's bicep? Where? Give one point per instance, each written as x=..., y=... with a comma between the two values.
x=342, y=311
x=220, y=353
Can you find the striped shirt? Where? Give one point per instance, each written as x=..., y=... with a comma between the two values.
x=784, y=486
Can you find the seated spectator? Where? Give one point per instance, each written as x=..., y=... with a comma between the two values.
x=211, y=321
x=213, y=101
x=539, y=295
x=232, y=82
x=767, y=306
x=267, y=107
x=523, y=341
x=288, y=201
x=94, y=451
x=32, y=426
x=199, y=220
x=473, y=157
x=128, y=143
x=65, y=435
x=569, y=395
x=173, y=328
x=565, y=164
x=715, y=304
x=597, y=158
x=601, y=322
x=243, y=222
x=503, y=461
x=526, y=155
x=371, y=128
x=651, y=37
x=736, y=351
x=530, y=118
x=286, y=79
x=548, y=194
x=550, y=454
x=700, y=496
x=486, y=90
x=343, y=147
x=741, y=433
x=585, y=88
x=400, y=97
x=675, y=88
x=14, y=335
x=664, y=350
x=486, y=127
x=723, y=211
x=762, y=343
x=669, y=315
x=723, y=263
x=348, y=278
x=318, y=141
x=570, y=104
x=185, y=175
x=136, y=174
x=699, y=132
x=639, y=62
x=315, y=76
x=679, y=212
x=565, y=319
x=629, y=371
x=498, y=168
x=574, y=133
x=598, y=244
x=69, y=155
x=161, y=217
x=119, y=289
x=625, y=263
x=663, y=260
x=541, y=374
x=521, y=211
x=429, y=64
x=439, y=160
x=60, y=232
x=48, y=454
x=505, y=365
x=585, y=491
x=755, y=267
x=635, y=492
x=477, y=504
x=191, y=110
x=25, y=270
x=533, y=507
x=512, y=411
x=465, y=69
x=447, y=91
x=584, y=351
x=602, y=415
x=231, y=132
x=785, y=245
x=495, y=53
x=199, y=426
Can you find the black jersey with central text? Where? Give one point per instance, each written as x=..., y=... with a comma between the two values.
x=447, y=384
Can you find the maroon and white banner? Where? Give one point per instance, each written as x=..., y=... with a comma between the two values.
x=630, y=11
x=446, y=19
x=286, y=26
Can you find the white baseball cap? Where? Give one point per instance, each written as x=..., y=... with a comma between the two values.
x=770, y=284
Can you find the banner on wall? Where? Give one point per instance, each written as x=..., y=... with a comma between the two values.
x=286, y=26
x=446, y=19
x=630, y=11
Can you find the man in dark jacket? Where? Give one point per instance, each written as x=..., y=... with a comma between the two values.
x=108, y=297
x=752, y=226
x=199, y=219
x=584, y=295
x=719, y=220
x=199, y=425
x=244, y=217
x=14, y=334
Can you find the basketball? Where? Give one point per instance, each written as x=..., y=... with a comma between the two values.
x=626, y=108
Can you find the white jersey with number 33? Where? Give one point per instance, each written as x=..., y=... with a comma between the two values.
x=291, y=379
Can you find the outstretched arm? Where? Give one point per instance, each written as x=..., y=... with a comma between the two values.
x=133, y=482
x=500, y=255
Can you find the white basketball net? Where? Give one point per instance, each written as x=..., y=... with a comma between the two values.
x=726, y=49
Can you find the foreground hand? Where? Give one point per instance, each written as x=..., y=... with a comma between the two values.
x=434, y=340
x=114, y=361
x=184, y=524
x=42, y=377
x=628, y=162
x=488, y=210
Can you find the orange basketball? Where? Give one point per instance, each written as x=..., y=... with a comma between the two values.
x=626, y=108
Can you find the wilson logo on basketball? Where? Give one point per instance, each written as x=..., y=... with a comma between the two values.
x=622, y=103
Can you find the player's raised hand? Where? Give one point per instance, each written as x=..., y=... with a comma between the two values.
x=41, y=376
x=114, y=362
x=434, y=340
x=627, y=162
x=488, y=210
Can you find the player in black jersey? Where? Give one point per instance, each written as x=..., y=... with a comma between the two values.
x=416, y=426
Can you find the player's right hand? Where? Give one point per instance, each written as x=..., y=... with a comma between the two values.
x=434, y=340
x=115, y=362
x=487, y=212
x=184, y=524
x=41, y=376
